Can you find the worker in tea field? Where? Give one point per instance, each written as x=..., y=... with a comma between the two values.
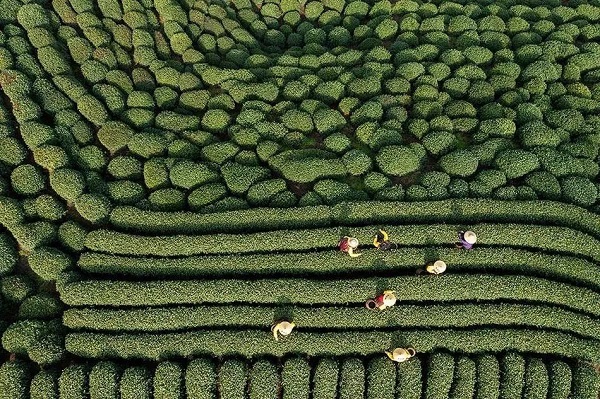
x=382, y=241
x=438, y=267
x=349, y=245
x=282, y=327
x=400, y=354
x=466, y=239
x=382, y=301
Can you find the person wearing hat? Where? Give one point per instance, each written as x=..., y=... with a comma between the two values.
x=466, y=239
x=283, y=327
x=385, y=300
x=438, y=267
x=349, y=245
x=400, y=354
x=382, y=241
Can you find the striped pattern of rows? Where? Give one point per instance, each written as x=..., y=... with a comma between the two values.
x=527, y=286
x=440, y=375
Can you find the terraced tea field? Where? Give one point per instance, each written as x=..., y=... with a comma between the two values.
x=176, y=177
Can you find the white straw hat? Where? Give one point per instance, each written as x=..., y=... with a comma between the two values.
x=389, y=299
x=352, y=242
x=470, y=237
x=439, y=266
x=285, y=328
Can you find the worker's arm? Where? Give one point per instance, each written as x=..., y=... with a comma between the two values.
x=352, y=254
x=376, y=242
x=275, y=330
x=385, y=235
x=390, y=355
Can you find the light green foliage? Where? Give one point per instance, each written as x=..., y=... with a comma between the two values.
x=215, y=120
x=16, y=288
x=27, y=180
x=67, y=183
x=8, y=255
x=14, y=378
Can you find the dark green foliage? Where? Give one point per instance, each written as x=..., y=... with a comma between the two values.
x=381, y=378
x=440, y=375
x=14, y=379
x=232, y=379
x=136, y=383
x=512, y=376
x=104, y=380
x=325, y=379
x=114, y=136
x=239, y=178
x=295, y=378
x=12, y=151
x=50, y=157
x=167, y=199
x=48, y=263
x=44, y=385
x=125, y=191
x=439, y=142
x=397, y=160
x=333, y=192
x=16, y=288
x=579, y=190
x=93, y=207
x=27, y=180
x=544, y=184
x=215, y=120
x=8, y=254
x=536, y=379
x=328, y=121
x=459, y=163
x=516, y=163
x=72, y=235
x=264, y=380
x=357, y=162
x=220, y=152
x=305, y=166
x=560, y=379
x=488, y=377
x=586, y=381
x=168, y=381
x=188, y=174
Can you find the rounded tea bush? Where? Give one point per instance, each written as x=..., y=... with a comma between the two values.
x=516, y=163
x=215, y=120
x=27, y=180
x=397, y=160
x=67, y=183
x=93, y=207
x=459, y=163
x=48, y=263
x=579, y=190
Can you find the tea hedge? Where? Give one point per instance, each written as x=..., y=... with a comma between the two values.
x=404, y=260
x=557, y=239
x=295, y=378
x=560, y=379
x=440, y=374
x=325, y=378
x=352, y=379
x=488, y=377
x=536, y=379
x=381, y=378
x=450, y=287
x=252, y=343
x=439, y=316
x=513, y=375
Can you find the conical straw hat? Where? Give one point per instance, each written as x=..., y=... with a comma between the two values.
x=389, y=299
x=353, y=242
x=400, y=354
x=470, y=237
x=285, y=328
x=440, y=266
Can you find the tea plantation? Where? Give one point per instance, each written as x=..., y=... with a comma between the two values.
x=176, y=175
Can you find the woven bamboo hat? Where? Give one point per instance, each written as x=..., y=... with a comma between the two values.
x=389, y=299
x=353, y=242
x=470, y=237
x=439, y=266
x=285, y=328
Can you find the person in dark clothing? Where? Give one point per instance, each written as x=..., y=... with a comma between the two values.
x=382, y=241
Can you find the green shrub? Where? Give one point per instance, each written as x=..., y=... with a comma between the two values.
x=67, y=183
x=14, y=380
x=12, y=152
x=156, y=174
x=178, y=122
x=92, y=158
x=536, y=133
x=40, y=306
x=206, y=194
x=512, y=375
x=516, y=163
x=579, y=190
x=536, y=379
x=16, y=288
x=459, y=163
x=136, y=383
x=304, y=166
x=262, y=192
x=397, y=160
x=49, y=208
x=92, y=109
x=200, y=378
x=50, y=157
x=44, y=385
x=297, y=120
x=104, y=380
x=464, y=379
x=328, y=121
x=168, y=381
x=215, y=120
x=125, y=191
x=488, y=377
x=239, y=178
x=125, y=167
x=167, y=199
x=72, y=236
x=8, y=255
x=93, y=207
x=544, y=184
x=439, y=142
x=220, y=152
x=357, y=162
x=188, y=174
x=147, y=144
x=27, y=180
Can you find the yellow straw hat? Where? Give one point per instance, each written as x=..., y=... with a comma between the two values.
x=285, y=328
x=353, y=242
x=389, y=299
x=439, y=266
